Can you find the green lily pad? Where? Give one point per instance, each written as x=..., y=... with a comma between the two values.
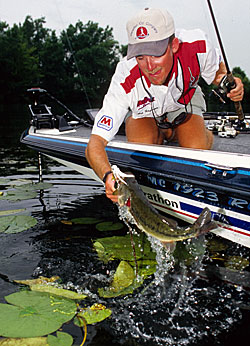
x=145, y=267
x=61, y=339
x=40, y=341
x=124, y=276
x=19, y=182
x=85, y=220
x=33, y=314
x=57, y=291
x=18, y=195
x=188, y=252
x=29, y=169
x=35, y=186
x=16, y=224
x=95, y=313
x=4, y=181
x=121, y=248
x=40, y=280
x=109, y=226
x=124, y=282
x=236, y=262
x=10, y=212
x=216, y=245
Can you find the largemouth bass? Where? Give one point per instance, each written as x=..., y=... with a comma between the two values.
x=149, y=220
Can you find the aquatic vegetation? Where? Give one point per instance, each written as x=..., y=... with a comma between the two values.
x=16, y=223
x=24, y=189
x=93, y=314
x=61, y=338
x=118, y=247
x=43, y=310
x=236, y=262
x=84, y=221
x=31, y=314
x=39, y=341
x=10, y=212
x=109, y=226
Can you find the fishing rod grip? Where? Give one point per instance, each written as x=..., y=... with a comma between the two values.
x=237, y=104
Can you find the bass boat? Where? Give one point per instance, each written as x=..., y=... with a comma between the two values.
x=177, y=181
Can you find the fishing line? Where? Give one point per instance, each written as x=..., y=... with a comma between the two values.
x=72, y=52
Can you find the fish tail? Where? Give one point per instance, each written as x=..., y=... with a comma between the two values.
x=204, y=222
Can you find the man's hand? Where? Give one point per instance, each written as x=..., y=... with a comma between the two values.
x=110, y=188
x=237, y=93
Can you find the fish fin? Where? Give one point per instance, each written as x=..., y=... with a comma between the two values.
x=204, y=222
x=170, y=222
x=169, y=245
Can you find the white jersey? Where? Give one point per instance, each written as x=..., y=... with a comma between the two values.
x=195, y=57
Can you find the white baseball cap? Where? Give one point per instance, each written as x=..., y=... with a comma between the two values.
x=149, y=32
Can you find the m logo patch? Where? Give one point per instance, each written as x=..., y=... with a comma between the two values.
x=105, y=123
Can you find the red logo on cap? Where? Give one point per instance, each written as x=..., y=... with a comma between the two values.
x=141, y=32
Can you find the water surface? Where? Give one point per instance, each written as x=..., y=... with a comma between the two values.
x=178, y=305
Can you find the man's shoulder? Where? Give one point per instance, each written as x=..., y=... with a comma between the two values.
x=190, y=35
x=125, y=65
x=127, y=73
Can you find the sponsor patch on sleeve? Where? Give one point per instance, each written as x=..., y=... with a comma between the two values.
x=105, y=123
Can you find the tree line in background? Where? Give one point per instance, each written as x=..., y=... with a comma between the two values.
x=77, y=66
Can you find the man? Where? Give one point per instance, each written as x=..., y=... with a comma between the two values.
x=157, y=83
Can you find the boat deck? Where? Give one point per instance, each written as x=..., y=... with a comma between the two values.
x=239, y=144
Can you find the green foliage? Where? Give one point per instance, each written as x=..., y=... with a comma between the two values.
x=93, y=314
x=34, y=314
x=79, y=62
x=109, y=226
x=61, y=338
x=16, y=223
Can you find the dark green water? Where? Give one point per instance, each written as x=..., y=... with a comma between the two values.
x=181, y=306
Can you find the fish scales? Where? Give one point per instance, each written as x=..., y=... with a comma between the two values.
x=149, y=220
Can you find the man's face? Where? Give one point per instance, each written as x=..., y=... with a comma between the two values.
x=157, y=68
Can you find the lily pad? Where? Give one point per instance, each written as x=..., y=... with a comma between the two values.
x=85, y=220
x=38, y=281
x=35, y=186
x=42, y=285
x=10, y=212
x=16, y=224
x=109, y=226
x=95, y=313
x=33, y=314
x=61, y=339
x=187, y=252
x=121, y=248
x=124, y=282
x=19, y=182
x=236, y=262
x=57, y=291
x=4, y=181
x=124, y=276
x=18, y=195
x=41, y=341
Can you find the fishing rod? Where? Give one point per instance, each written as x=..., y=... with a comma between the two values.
x=228, y=83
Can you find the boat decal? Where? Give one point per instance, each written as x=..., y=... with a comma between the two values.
x=156, y=197
x=229, y=221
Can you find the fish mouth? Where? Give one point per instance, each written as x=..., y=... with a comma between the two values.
x=124, y=201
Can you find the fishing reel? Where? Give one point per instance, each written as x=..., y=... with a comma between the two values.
x=226, y=85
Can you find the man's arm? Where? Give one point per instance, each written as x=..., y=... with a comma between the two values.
x=235, y=94
x=98, y=160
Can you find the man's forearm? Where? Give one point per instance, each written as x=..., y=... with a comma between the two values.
x=96, y=155
x=220, y=74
